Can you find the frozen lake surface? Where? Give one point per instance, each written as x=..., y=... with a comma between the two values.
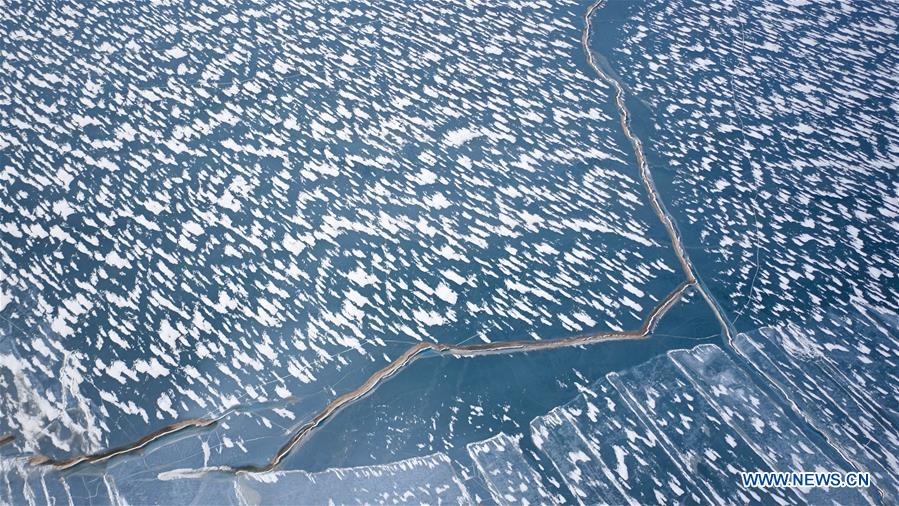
x=226, y=216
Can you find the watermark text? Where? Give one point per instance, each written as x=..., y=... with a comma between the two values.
x=825, y=479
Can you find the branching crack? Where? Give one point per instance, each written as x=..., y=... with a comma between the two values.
x=471, y=350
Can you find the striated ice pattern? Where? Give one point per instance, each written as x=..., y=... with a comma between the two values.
x=509, y=476
x=258, y=252
x=217, y=206
x=777, y=122
x=676, y=429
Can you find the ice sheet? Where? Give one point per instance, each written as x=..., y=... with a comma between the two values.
x=511, y=479
x=429, y=479
x=824, y=403
x=758, y=418
x=700, y=441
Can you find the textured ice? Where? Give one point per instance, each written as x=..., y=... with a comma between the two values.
x=242, y=210
x=777, y=122
x=681, y=427
x=702, y=443
x=227, y=205
x=429, y=479
x=825, y=403
x=211, y=490
x=585, y=474
x=640, y=468
x=22, y=483
x=889, y=319
x=148, y=476
x=510, y=478
x=759, y=420
x=676, y=429
x=862, y=353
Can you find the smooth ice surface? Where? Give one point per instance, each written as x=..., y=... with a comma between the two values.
x=430, y=480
